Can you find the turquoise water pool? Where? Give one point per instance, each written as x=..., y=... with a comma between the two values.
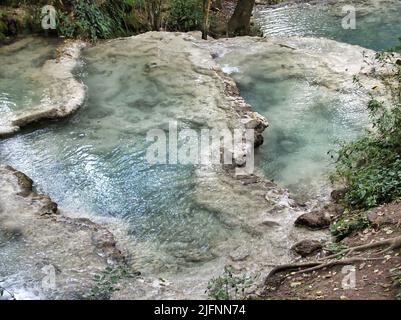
x=95, y=162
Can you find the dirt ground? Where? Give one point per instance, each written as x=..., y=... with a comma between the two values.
x=364, y=280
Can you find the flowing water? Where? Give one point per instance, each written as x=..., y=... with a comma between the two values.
x=95, y=162
x=20, y=64
x=378, y=22
x=307, y=120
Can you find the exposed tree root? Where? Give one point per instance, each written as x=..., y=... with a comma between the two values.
x=390, y=244
x=316, y=265
x=393, y=243
x=336, y=263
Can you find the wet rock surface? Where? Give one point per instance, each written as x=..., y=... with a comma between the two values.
x=307, y=247
x=257, y=216
x=314, y=220
x=63, y=93
x=38, y=242
x=305, y=88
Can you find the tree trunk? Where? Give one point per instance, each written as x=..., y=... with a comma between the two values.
x=154, y=12
x=205, y=23
x=239, y=24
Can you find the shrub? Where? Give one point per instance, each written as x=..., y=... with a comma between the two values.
x=184, y=15
x=347, y=225
x=2, y=28
x=106, y=282
x=91, y=19
x=228, y=286
x=87, y=20
x=370, y=167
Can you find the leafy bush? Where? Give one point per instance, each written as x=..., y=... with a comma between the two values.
x=91, y=19
x=2, y=28
x=184, y=15
x=101, y=19
x=347, y=225
x=334, y=247
x=105, y=283
x=370, y=167
x=87, y=20
x=135, y=16
x=228, y=286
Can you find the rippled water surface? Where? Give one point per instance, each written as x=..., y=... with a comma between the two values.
x=307, y=120
x=378, y=23
x=95, y=162
x=19, y=68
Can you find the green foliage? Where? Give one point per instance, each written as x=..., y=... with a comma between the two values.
x=65, y=25
x=99, y=19
x=349, y=224
x=11, y=3
x=370, y=167
x=184, y=15
x=14, y=22
x=105, y=283
x=2, y=29
x=134, y=16
x=88, y=20
x=334, y=247
x=228, y=286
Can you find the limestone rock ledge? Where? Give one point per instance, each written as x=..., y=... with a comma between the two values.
x=64, y=94
x=35, y=235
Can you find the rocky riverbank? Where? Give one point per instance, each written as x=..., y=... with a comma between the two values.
x=47, y=243
x=259, y=215
x=370, y=271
